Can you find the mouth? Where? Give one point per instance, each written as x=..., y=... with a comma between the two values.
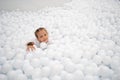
x=46, y=40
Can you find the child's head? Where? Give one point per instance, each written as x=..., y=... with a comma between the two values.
x=41, y=35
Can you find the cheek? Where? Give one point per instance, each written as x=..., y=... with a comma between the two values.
x=39, y=39
x=47, y=37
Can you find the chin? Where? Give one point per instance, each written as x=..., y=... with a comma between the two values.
x=45, y=41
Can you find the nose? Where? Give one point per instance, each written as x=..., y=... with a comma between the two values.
x=44, y=38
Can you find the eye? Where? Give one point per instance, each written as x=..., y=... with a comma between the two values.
x=41, y=36
x=44, y=34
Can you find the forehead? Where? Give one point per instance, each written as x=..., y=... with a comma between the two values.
x=40, y=32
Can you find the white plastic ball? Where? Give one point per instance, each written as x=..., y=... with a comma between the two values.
x=106, y=60
x=91, y=69
x=2, y=60
x=70, y=67
x=63, y=74
x=110, y=53
x=89, y=77
x=19, y=56
x=56, y=67
x=102, y=53
x=17, y=64
x=35, y=62
x=116, y=77
x=105, y=79
x=10, y=55
x=12, y=75
x=78, y=75
x=45, y=71
x=84, y=61
x=97, y=59
x=6, y=67
x=56, y=78
x=37, y=52
x=29, y=56
x=36, y=73
x=27, y=68
x=3, y=77
x=37, y=79
x=43, y=45
x=80, y=67
x=28, y=71
x=115, y=63
x=21, y=77
x=45, y=78
x=44, y=61
x=76, y=58
x=19, y=71
x=69, y=76
x=105, y=72
x=51, y=53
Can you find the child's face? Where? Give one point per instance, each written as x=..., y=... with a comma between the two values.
x=42, y=36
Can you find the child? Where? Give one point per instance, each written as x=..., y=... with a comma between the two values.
x=41, y=35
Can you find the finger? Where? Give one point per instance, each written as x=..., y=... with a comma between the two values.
x=34, y=48
x=31, y=49
x=27, y=49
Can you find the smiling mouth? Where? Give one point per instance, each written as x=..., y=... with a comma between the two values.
x=46, y=40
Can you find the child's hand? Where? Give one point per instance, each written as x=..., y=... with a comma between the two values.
x=30, y=46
